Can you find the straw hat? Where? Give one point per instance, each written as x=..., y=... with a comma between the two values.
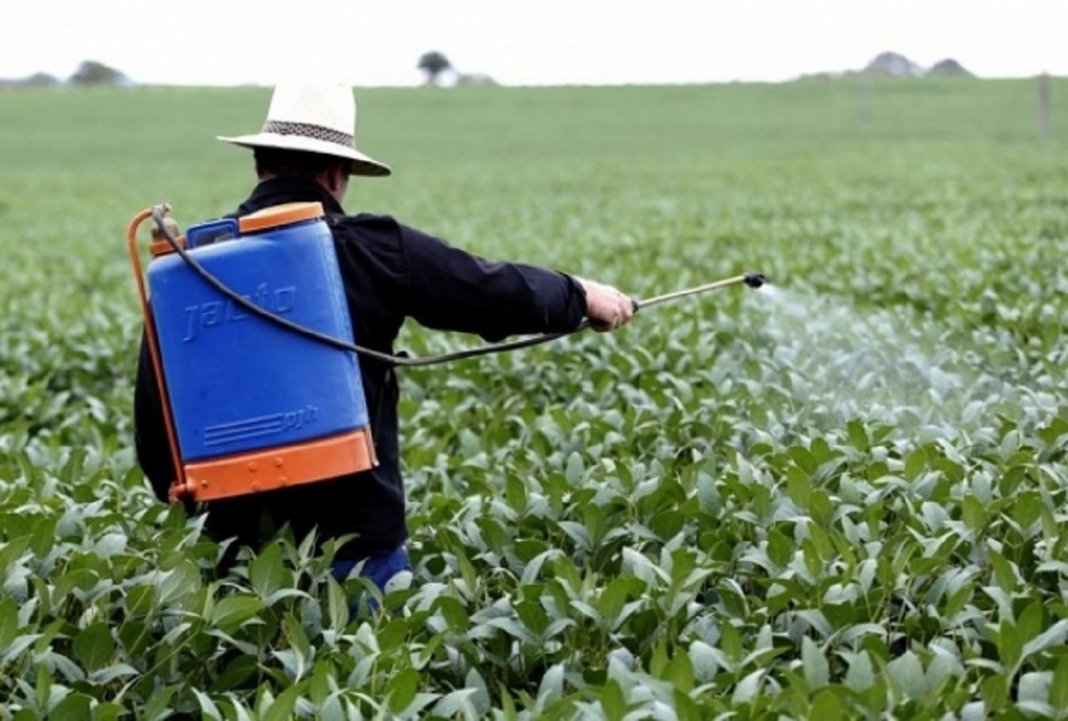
x=314, y=119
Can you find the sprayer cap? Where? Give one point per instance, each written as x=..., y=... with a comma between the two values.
x=279, y=215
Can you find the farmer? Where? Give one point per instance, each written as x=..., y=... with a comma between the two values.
x=306, y=151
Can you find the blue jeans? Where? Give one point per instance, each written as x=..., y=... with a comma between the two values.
x=378, y=568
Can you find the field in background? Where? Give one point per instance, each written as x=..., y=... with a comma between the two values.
x=839, y=499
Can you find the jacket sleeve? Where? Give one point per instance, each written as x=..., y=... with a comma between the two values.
x=449, y=289
x=150, y=433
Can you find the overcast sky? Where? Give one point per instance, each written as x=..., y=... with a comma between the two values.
x=520, y=42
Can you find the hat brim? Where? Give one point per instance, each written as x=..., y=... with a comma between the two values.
x=361, y=164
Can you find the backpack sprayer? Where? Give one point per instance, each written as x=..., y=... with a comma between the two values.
x=235, y=329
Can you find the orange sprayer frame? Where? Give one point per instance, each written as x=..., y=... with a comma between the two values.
x=252, y=472
x=178, y=487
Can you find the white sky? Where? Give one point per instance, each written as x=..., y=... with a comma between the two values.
x=521, y=42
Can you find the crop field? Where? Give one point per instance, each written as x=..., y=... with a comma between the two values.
x=845, y=497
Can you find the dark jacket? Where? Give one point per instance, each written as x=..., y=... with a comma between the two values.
x=390, y=272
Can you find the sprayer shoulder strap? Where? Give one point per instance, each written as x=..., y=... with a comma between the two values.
x=388, y=383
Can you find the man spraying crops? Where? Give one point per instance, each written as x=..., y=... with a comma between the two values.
x=306, y=152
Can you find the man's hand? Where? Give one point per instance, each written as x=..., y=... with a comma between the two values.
x=606, y=307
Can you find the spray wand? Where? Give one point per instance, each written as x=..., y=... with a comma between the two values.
x=166, y=227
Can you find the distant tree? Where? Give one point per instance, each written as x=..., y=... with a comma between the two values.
x=41, y=80
x=433, y=64
x=950, y=67
x=894, y=65
x=91, y=72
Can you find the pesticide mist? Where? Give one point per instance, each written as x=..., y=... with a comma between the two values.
x=833, y=363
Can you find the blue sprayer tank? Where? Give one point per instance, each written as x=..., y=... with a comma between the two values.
x=256, y=406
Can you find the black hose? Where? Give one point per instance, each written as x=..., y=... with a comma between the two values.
x=158, y=213
x=753, y=280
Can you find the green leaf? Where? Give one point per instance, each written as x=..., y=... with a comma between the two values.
x=9, y=621
x=533, y=616
x=43, y=686
x=1058, y=694
x=243, y=711
x=860, y=675
x=454, y=612
x=513, y=628
x=906, y=672
x=804, y=459
x=731, y=642
x=1010, y=645
x=614, y=596
x=44, y=537
x=934, y=516
x=748, y=687
x=821, y=507
x=995, y=692
x=266, y=572
x=826, y=706
x=480, y=700
x=234, y=674
x=552, y=686
x=1029, y=623
x=108, y=711
x=331, y=709
x=1033, y=688
x=613, y=703
x=798, y=486
x=229, y=613
x=402, y=689
x=1003, y=571
x=780, y=548
x=858, y=437
x=281, y=709
x=207, y=706
x=821, y=450
x=18, y=646
x=11, y=552
x=300, y=652
x=680, y=672
x=178, y=583
x=704, y=660
x=108, y=674
x=575, y=468
x=75, y=707
x=686, y=709
x=515, y=493
x=139, y=600
x=337, y=605
x=1027, y=508
x=94, y=646
x=454, y=702
x=157, y=706
x=1052, y=637
x=708, y=496
x=973, y=513
x=817, y=671
x=915, y=464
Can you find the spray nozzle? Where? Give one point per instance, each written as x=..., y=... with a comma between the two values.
x=754, y=280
